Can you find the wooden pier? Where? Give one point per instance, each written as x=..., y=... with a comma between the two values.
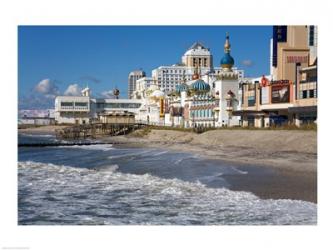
x=92, y=130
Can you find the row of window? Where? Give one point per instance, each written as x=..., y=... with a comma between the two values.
x=311, y=35
x=72, y=104
x=311, y=93
x=202, y=113
x=118, y=105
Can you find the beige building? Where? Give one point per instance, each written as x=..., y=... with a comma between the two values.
x=290, y=47
x=290, y=97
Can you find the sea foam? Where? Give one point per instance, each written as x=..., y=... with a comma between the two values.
x=104, y=195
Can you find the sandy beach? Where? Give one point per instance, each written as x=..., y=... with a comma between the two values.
x=292, y=154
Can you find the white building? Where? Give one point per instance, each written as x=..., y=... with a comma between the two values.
x=72, y=109
x=84, y=109
x=197, y=56
x=141, y=85
x=207, y=101
x=132, y=77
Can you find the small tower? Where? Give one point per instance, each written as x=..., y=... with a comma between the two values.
x=227, y=61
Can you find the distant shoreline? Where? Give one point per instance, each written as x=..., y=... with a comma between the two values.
x=292, y=154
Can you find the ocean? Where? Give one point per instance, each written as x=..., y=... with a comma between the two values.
x=124, y=185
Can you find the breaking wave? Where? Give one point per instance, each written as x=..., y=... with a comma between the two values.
x=57, y=194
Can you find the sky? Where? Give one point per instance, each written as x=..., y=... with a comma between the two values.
x=61, y=60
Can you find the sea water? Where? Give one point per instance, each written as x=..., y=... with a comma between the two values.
x=112, y=185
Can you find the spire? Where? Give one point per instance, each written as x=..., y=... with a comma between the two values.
x=227, y=46
x=227, y=61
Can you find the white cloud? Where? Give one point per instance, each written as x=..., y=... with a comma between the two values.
x=47, y=88
x=248, y=63
x=73, y=90
x=107, y=94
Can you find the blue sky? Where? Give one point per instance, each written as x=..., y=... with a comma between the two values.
x=52, y=58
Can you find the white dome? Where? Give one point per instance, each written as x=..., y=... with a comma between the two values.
x=157, y=94
x=197, y=49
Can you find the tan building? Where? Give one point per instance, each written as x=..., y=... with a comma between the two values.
x=290, y=47
x=291, y=97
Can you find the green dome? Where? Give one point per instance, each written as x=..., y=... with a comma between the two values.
x=181, y=87
x=200, y=85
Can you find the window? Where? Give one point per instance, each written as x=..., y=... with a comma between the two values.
x=122, y=105
x=311, y=93
x=66, y=104
x=81, y=104
x=304, y=94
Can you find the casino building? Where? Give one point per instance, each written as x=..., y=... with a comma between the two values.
x=197, y=57
x=290, y=95
x=208, y=100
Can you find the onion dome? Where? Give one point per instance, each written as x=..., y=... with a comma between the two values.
x=227, y=61
x=181, y=87
x=200, y=85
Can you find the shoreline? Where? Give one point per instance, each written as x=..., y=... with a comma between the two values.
x=295, y=172
x=294, y=163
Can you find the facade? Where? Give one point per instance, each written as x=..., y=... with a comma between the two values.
x=85, y=110
x=292, y=46
x=72, y=109
x=132, y=77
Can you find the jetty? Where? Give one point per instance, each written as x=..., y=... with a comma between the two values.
x=84, y=131
x=57, y=144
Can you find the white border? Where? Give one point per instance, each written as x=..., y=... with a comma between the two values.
x=206, y=12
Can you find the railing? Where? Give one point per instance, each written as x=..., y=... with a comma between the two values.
x=73, y=108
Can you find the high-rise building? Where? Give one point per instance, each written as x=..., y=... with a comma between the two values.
x=313, y=42
x=132, y=77
x=292, y=46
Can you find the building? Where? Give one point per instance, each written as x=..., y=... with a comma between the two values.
x=72, y=109
x=206, y=101
x=292, y=46
x=142, y=84
x=132, y=78
x=84, y=109
x=290, y=96
x=197, y=56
